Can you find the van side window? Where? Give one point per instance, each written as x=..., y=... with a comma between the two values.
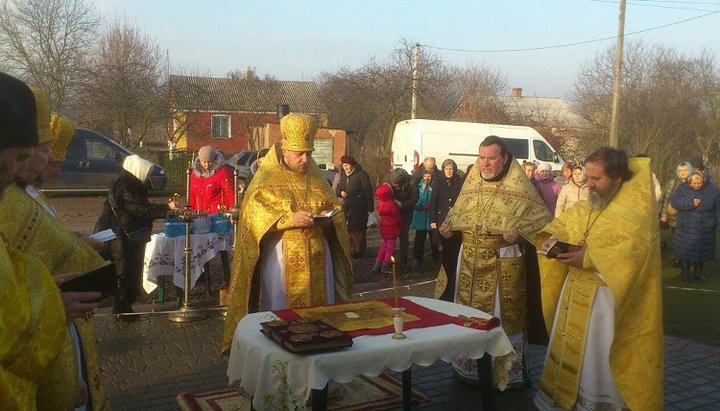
x=518, y=147
x=542, y=151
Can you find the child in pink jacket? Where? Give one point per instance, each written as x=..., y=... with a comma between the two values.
x=390, y=223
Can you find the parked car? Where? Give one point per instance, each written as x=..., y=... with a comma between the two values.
x=244, y=159
x=92, y=162
x=242, y=162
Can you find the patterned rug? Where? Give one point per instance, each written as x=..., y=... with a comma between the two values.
x=362, y=394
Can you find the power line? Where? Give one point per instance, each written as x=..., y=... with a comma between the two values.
x=646, y=4
x=557, y=46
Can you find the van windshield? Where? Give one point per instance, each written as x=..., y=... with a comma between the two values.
x=518, y=147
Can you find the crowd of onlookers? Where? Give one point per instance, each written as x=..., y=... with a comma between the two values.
x=688, y=207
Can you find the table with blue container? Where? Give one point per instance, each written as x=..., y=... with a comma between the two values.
x=164, y=254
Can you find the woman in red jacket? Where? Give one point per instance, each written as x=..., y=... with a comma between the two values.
x=211, y=182
x=390, y=223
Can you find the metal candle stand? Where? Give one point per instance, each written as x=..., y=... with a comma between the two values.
x=186, y=313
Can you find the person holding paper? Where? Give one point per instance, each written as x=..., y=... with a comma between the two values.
x=284, y=257
x=27, y=224
x=497, y=214
x=33, y=316
x=604, y=301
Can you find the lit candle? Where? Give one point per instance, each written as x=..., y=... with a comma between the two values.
x=394, y=281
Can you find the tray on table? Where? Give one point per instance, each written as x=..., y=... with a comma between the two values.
x=306, y=335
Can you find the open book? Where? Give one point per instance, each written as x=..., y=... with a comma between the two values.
x=327, y=214
x=102, y=278
x=558, y=247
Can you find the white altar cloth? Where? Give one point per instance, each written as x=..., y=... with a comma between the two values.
x=262, y=367
x=165, y=256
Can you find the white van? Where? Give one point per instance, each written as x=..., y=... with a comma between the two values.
x=416, y=139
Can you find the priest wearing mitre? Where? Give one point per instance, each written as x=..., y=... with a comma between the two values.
x=287, y=254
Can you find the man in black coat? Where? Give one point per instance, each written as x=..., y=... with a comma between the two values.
x=405, y=196
x=356, y=192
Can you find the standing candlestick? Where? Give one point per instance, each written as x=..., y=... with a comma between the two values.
x=394, y=280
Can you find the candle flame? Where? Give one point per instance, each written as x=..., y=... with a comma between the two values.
x=392, y=258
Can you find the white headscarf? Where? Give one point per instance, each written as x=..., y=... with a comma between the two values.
x=137, y=166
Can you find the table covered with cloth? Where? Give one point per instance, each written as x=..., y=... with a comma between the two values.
x=165, y=256
x=277, y=378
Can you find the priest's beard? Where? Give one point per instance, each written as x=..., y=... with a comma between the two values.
x=600, y=199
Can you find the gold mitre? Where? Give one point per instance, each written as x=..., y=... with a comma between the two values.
x=298, y=132
x=64, y=130
x=42, y=104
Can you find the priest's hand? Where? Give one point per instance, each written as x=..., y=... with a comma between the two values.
x=511, y=237
x=76, y=303
x=96, y=245
x=445, y=230
x=573, y=258
x=302, y=218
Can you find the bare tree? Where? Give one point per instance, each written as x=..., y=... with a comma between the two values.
x=45, y=42
x=256, y=98
x=123, y=94
x=479, y=89
x=662, y=113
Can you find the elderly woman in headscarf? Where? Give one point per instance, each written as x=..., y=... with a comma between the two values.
x=211, y=182
x=130, y=214
x=698, y=205
x=355, y=190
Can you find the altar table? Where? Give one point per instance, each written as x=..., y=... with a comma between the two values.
x=271, y=374
x=165, y=256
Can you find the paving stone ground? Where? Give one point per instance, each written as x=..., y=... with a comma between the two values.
x=147, y=363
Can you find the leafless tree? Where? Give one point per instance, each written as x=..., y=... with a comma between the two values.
x=45, y=42
x=256, y=98
x=479, y=88
x=123, y=93
x=370, y=100
x=667, y=105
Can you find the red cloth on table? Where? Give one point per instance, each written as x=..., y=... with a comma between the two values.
x=427, y=318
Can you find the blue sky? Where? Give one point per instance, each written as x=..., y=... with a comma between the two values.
x=298, y=40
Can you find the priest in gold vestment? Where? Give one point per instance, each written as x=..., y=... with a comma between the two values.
x=32, y=320
x=497, y=210
x=284, y=257
x=27, y=225
x=605, y=301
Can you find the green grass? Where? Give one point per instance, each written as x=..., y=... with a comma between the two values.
x=690, y=310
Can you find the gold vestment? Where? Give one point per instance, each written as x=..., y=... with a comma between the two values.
x=622, y=245
x=483, y=211
x=32, y=328
x=28, y=227
x=274, y=194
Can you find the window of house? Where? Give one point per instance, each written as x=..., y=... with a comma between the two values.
x=220, y=125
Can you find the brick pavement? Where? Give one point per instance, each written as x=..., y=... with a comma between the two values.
x=147, y=363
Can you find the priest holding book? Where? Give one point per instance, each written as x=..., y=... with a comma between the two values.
x=286, y=258
x=604, y=300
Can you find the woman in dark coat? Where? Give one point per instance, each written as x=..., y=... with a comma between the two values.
x=355, y=190
x=698, y=205
x=130, y=215
x=444, y=193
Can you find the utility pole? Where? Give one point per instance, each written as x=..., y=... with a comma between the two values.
x=415, y=59
x=618, y=76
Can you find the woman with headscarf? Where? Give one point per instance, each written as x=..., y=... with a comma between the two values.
x=549, y=188
x=211, y=182
x=698, y=205
x=130, y=214
x=573, y=191
x=444, y=193
x=356, y=192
